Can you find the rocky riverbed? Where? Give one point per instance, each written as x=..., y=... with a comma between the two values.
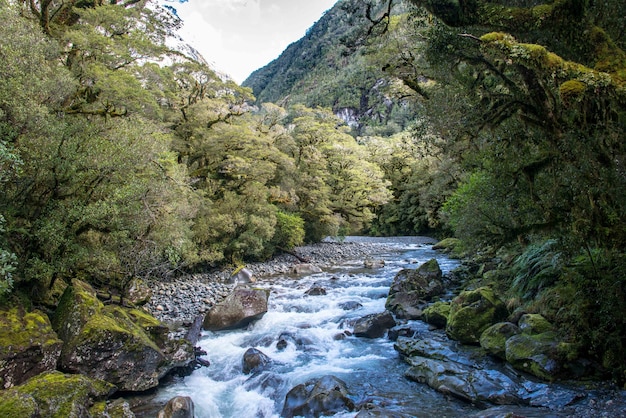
x=180, y=301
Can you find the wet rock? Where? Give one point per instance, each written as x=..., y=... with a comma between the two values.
x=239, y=309
x=464, y=382
x=413, y=286
x=178, y=407
x=315, y=290
x=514, y=412
x=437, y=314
x=493, y=339
x=138, y=292
x=306, y=268
x=327, y=395
x=125, y=347
x=254, y=360
x=430, y=348
x=373, y=411
x=373, y=264
x=350, y=306
x=54, y=394
x=374, y=325
x=28, y=346
x=472, y=312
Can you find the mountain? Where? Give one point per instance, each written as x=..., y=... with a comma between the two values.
x=331, y=67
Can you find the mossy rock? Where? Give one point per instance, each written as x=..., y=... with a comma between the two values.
x=437, y=314
x=454, y=247
x=411, y=287
x=28, y=346
x=535, y=354
x=472, y=312
x=534, y=324
x=493, y=339
x=54, y=395
x=126, y=347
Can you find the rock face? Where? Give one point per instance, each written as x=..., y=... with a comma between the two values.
x=374, y=325
x=28, y=346
x=472, y=312
x=54, y=394
x=240, y=308
x=125, y=347
x=178, y=407
x=411, y=288
x=254, y=360
x=327, y=395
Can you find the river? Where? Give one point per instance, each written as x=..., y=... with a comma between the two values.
x=316, y=330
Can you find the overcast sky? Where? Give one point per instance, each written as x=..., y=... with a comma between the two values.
x=240, y=36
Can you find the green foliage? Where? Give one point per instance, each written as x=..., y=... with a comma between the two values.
x=537, y=268
x=289, y=230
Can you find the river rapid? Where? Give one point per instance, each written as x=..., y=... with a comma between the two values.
x=309, y=336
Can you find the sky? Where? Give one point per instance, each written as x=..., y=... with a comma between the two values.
x=240, y=36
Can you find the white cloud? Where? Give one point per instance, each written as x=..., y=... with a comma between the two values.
x=240, y=36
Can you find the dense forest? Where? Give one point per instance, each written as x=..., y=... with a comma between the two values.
x=499, y=123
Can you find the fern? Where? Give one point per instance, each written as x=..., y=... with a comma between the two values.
x=537, y=268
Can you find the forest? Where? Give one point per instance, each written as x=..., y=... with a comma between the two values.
x=501, y=124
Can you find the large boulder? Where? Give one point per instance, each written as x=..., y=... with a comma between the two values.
x=57, y=395
x=494, y=338
x=178, y=407
x=542, y=355
x=472, y=312
x=534, y=324
x=305, y=268
x=242, y=306
x=411, y=287
x=374, y=325
x=327, y=395
x=28, y=346
x=125, y=347
x=465, y=382
x=138, y=292
x=254, y=361
x=437, y=314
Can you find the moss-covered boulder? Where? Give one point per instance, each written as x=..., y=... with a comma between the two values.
x=126, y=347
x=56, y=395
x=454, y=247
x=535, y=354
x=28, y=346
x=493, y=339
x=411, y=287
x=534, y=324
x=437, y=314
x=472, y=312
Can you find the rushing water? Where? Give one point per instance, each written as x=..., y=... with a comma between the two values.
x=371, y=368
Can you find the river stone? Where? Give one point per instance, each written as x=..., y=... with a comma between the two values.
x=535, y=354
x=464, y=382
x=327, y=395
x=28, y=346
x=493, y=339
x=374, y=325
x=315, y=290
x=306, y=268
x=472, y=312
x=534, y=324
x=138, y=292
x=437, y=314
x=254, y=360
x=54, y=394
x=241, y=276
x=126, y=347
x=241, y=307
x=411, y=287
x=178, y=407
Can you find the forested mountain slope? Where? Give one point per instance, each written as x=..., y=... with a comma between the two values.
x=329, y=67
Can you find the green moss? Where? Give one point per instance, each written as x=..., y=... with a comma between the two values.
x=497, y=37
x=437, y=314
x=14, y=404
x=534, y=324
x=472, y=312
x=454, y=247
x=572, y=90
x=19, y=329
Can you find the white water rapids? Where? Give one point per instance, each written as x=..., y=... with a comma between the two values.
x=319, y=343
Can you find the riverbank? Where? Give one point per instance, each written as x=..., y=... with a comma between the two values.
x=181, y=301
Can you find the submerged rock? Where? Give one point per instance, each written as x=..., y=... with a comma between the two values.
x=178, y=407
x=242, y=306
x=472, y=312
x=411, y=287
x=327, y=395
x=28, y=346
